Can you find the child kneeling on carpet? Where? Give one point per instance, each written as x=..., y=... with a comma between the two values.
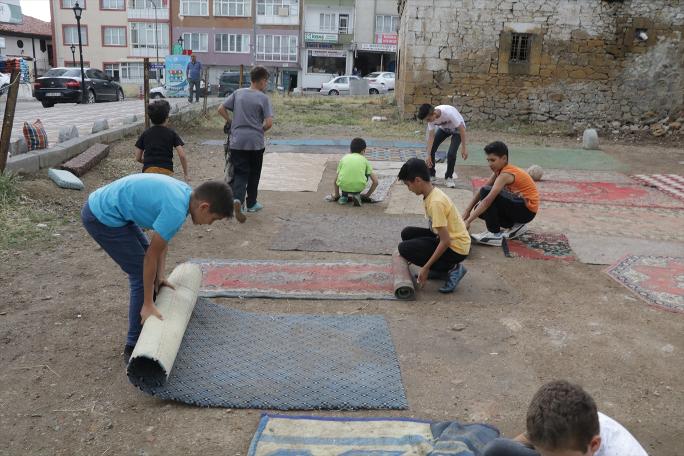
x=154, y=148
x=114, y=214
x=353, y=173
x=441, y=249
x=562, y=420
x=508, y=200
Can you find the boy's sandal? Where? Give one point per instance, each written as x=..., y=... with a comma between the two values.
x=332, y=198
x=366, y=199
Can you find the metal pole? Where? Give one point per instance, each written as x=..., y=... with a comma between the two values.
x=80, y=52
x=35, y=61
x=146, y=89
x=156, y=40
x=242, y=71
x=8, y=120
x=206, y=89
x=73, y=56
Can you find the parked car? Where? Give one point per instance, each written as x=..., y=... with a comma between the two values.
x=4, y=83
x=162, y=91
x=383, y=77
x=340, y=85
x=63, y=85
x=229, y=82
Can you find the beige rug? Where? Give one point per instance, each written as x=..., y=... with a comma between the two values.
x=402, y=201
x=285, y=172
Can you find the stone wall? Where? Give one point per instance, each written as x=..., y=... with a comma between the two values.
x=586, y=64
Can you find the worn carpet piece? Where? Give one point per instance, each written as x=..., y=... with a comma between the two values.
x=236, y=359
x=630, y=195
x=541, y=246
x=672, y=184
x=351, y=233
x=393, y=153
x=292, y=172
x=563, y=175
x=337, y=436
x=383, y=189
x=596, y=249
x=404, y=202
x=658, y=280
x=633, y=222
x=289, y=279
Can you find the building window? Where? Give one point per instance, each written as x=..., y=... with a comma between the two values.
x=195, y=7
x=328, y=22
x=71, y=35
x=112, y=70
x=344, y=23
x=20, y=44
x=142, y=35
x=386, y=24
x=112, y=4
x=147, y=4
x=520, y=47
x=322, y=62
x=114, y=36
x=196, y=42
x=67, y=4
x=224, y=42
x=277, y=48
x=278, y=7
x=132, y=71
x=231, y=8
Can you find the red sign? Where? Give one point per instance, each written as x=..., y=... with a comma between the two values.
x=386, y=38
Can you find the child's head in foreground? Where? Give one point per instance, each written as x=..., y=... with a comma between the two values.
x=415, y=174
x=159, y=111
x=211, y=201
x=562, y=420
x=357, y=146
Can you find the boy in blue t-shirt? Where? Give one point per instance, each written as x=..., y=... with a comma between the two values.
x=114, y=214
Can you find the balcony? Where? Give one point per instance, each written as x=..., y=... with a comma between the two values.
x=148, y=52
x=148, y=13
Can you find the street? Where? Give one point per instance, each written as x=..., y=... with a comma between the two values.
x=83, y=116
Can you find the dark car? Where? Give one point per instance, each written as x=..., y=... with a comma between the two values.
x=229, y=82
x=63, y=85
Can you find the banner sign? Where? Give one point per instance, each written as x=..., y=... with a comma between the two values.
x=320, y=37
x=377, y=47
x=327, y=53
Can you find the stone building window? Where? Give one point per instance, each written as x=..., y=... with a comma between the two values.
x=520, y=47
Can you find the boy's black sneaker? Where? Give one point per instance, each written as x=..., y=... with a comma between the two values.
x=356, y=199
x=128, y=351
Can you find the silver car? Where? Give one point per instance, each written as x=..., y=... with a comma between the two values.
x=383, y=77
x=340, y=86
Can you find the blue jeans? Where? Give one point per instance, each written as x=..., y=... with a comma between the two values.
x=505, y=447
x=127, y=246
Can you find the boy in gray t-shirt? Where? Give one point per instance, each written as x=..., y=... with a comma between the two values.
x=252, y=116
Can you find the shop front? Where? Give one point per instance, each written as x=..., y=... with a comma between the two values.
x=378, y=56
x=324, y=58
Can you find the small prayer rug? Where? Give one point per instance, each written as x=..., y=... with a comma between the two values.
x=541, y=246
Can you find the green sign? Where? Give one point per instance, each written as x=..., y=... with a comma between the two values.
x=320, y=37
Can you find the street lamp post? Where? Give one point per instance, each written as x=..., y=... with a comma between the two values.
x=180, y=41
x=77, y=13
x=73, y=54
x=156, y=38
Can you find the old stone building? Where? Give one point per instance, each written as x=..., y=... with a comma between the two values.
x=594, y=62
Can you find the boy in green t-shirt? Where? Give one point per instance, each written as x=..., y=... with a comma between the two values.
x=353, y=173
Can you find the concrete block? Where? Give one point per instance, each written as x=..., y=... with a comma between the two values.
x=130, y=120
x=87, y=160
x=67, y=133
x=100, y=125
x=23, y=164
x=18, y=147
x=590, y=139
x=52, y=156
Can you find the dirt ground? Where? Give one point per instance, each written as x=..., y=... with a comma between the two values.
x=475, y=355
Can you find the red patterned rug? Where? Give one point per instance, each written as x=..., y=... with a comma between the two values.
x=672, y=184
x=658, y=280
x=609, y=193
x=542, y=246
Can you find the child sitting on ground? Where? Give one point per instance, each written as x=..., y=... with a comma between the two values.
x=154, y=148
x=441, y=249
x=353, y=173
x=562, y=420
x=508, y=200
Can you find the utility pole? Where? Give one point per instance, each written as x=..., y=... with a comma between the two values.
x=146, y=89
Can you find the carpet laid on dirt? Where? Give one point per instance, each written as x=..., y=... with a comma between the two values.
x=314, y=435
x=292, y=172
x=542, y=246
x=383, y=189
x=289, y=279
x=672, y=184
x=658, y=280
x=595, y=249
x=353, y=233
x=230, y=358
x=616, y=194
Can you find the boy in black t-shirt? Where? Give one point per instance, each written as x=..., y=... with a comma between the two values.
x=154, y=148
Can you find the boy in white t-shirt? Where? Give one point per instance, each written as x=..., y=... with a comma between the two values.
x=562, y=420
x=444, y=121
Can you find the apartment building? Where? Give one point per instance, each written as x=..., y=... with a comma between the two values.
x=115, y=34
x=27, y=38
x=225, y=34
x=376, y=35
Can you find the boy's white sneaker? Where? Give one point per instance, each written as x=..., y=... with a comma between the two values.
x=517, y=230
x=450, y=183
x=488, y=238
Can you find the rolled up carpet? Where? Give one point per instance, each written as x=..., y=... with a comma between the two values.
x=404, y=288
x=159, y=341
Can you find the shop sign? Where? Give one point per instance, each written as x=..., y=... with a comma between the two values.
x=373, y=47
x=386, y=38
x=320, y=37
x=327, y=53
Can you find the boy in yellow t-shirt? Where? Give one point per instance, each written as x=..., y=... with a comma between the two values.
x=441, y=249
x=353, y=173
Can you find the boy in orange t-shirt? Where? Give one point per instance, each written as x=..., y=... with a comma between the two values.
x=508, y=200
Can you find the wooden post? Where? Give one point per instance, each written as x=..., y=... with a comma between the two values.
x=8, y=120
x=242, y=71
x=146, y=89
x=206, y=90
